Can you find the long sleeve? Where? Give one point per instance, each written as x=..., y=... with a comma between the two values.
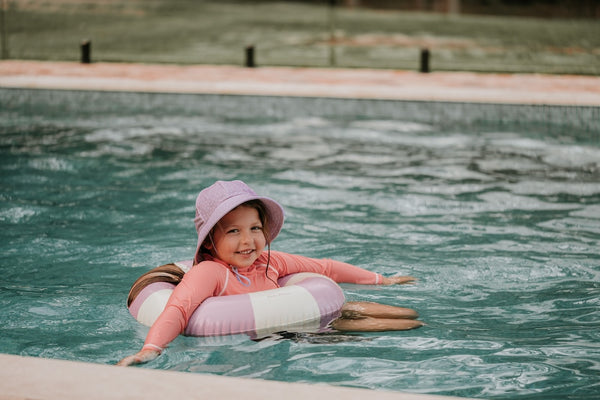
x=338, y=271
x=196, y=286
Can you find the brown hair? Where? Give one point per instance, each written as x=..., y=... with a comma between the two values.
x=170, y=273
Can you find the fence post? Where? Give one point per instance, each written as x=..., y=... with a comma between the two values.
x=250, y=57
x=86, y=50
x=4, y=32
x=424, y=61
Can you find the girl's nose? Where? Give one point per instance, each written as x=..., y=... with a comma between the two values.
x=246, y=237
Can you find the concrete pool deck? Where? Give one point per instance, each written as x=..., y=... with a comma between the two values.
x=569, y=90
x=28, y=378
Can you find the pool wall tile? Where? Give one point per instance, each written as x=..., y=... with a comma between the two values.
x=446, y=114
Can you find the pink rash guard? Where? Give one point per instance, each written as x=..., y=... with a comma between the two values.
x=215, y=278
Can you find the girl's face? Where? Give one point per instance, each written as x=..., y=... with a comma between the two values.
x=238, y=238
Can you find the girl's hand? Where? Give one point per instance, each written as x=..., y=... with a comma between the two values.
x=397, y=280
x=139, y=358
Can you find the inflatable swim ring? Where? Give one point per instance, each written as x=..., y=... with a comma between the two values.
x=305, y=302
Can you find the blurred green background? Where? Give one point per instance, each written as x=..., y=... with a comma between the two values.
x=313, y=34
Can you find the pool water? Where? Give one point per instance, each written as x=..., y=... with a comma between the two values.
x=499, y=220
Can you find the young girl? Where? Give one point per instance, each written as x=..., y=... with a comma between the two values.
x=234, y=226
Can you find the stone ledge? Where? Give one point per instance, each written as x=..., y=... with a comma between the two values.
x=305, y=82
x=33, y=378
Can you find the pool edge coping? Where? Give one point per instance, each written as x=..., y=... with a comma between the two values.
x=29, y=378
x=342, y=83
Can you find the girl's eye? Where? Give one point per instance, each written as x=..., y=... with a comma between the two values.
x=257, y=228
x=232, y=231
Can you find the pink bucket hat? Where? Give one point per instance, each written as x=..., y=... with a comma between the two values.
x=214, y=202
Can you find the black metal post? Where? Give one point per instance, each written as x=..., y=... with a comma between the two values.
x=425, y=61
x=86, y=52
x=4, y=32
x=250, y=57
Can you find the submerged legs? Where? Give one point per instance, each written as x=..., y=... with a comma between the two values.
x=361, y=316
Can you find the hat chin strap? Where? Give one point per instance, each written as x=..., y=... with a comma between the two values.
x=244, y=280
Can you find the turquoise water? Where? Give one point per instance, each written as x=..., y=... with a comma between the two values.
x=499, y=220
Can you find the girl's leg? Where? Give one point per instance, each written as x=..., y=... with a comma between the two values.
x=361, y=309
x=361, y=316
x=370, y=324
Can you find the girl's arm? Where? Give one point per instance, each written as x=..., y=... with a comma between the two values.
x=197, y=285
x=338, y=271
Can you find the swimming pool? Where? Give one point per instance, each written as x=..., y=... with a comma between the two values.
x=496, y=209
